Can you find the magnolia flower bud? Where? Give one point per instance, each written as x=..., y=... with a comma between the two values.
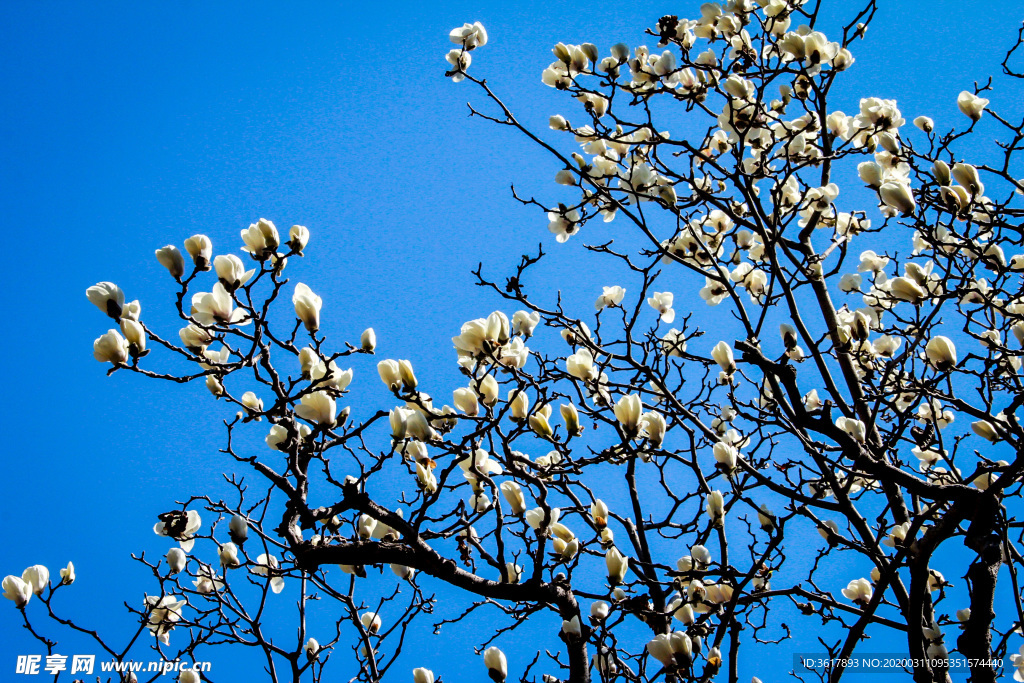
x=871, y=173
x=365, y=526
x=513, y=493
x=599, y=611
x=897, y=196
x=312, y=648
x=627, y=412
x=558, y=122
x=390, y=374
x=368, y=340
x=67, y=575
x=571, y=417
x=488, y=390
x=228, y=554
x=107, y=297
x=497, y=665
x=617, y=564
x=971, y=105
x=466, y=401
x=967, y=176
x=176, y=559
x=371, y=621
x=17, y=590
x=421, y=675
x=407, y=375
x=135, y=335
x=252, y=402
x=906, y=289
x=940, y=170
x=716, y=508
x=941, y=353
x=37, y=577
x=540, y=425
x=725, y=455
x=403, y=572
x=238, y=528
x=985, y=430
x=925, y=124
x=171, y=259
x=214, y=386
x=307, y=307
x=200, y=248
x=722, y=354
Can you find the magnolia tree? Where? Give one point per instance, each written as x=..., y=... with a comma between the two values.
x=647, y=481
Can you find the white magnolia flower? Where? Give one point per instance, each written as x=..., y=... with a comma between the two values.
x=371, y=621
x=466, y=400
x=307, y=307
x=653, y=428
x=67, y=575
x=111, y=348
x=940, y=353
x=37, y=577
x=298, y=238
x=460, y=61
x=164, y=613
x=17, y=590
x=662, y=303
x=470, y=36
x=206, y=581
x=217, y=308
x=627, y=412
x=897, y=196
x=261, y=239
x=524, y=322
x=317, y=407
x=581, y=365
x=231, y=271
x=971, y=105
x=571, y=627
x=610, y=296
x=513, y=493
x=716, y=508
x=673, y=344
x=859, y=591
x=181, y=526
x=107, y=297
x=266, y=565
x=228, y=554
x=854, y=428
x=200, y=248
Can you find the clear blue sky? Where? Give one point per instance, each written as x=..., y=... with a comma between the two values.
x=128, y=126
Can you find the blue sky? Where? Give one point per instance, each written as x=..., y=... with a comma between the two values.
x=125, y=127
